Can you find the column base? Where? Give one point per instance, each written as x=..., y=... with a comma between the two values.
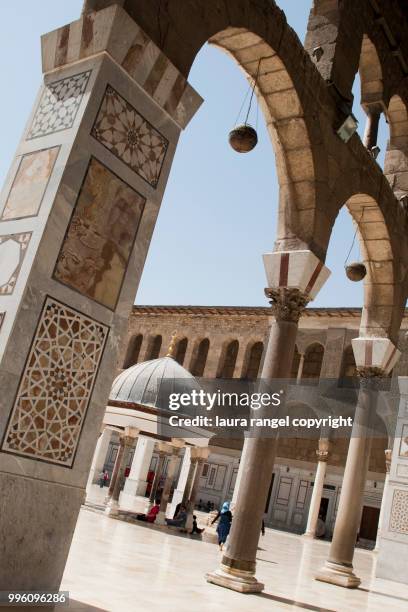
x=112, y=508
x=160, y=518
x=338, y=574
x=236, y=580
x=308, y=535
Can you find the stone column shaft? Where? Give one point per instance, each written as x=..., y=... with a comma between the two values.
x=116, y=467
x=99, y=458
x=171, y=471
x=136, y=482
x=300, y=368
x=316, y=494
x=371, y=129
x=157, y=475
x=192, y=494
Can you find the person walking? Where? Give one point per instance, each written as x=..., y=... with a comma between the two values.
x=224, y=525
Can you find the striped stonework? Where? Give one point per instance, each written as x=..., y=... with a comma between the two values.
x=113, y=31
x=300, y=270
x=378, y=353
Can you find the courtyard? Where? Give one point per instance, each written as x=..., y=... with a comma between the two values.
x=121, y=567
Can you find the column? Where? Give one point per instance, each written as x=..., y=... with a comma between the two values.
x=300, y=368
x=171, y=472
x=240, y=473
x=375, y=357
x=371, y=129
x=198, y=462
x=293, y=279
x=322, y=457
x=73, y=263
x=136, y=482
x=156, y=480
x=127, y=441
x=99, y=458
x=182, y=483
x=388, y=454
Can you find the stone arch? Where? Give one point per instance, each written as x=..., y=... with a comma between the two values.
x=228, y=359
x=180, y=352
x=313, y=361
x=199, y=359
x=396, y=158
x=348, y=364
x=133, y=351
x=252, y=361
x=243, y=30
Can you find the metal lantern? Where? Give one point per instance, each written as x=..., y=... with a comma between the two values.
x=243, y=138
x=356, y=271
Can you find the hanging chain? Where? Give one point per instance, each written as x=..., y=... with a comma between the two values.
x=253, y=90
x=242, y=105
x=354, y=237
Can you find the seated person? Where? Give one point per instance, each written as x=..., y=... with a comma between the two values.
x=195, y=528
x=180, y=519
x=150, y=517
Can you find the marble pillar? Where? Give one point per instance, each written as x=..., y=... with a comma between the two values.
x=293, y=279
x=388, y=454
x=127, y=441
x=183, y=479
x=77, y=213
x=171, y=472
x=374, y=358
x=99, y=457
x=192, y=494
x=156, y=480
x=136, y=482
x=300, y=369
x=322, y=457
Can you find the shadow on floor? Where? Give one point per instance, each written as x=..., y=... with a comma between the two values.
x=74, y=606
x=383, y=594
x=292, y=602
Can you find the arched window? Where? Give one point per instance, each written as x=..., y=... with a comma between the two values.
x=313, y=361
x=228, y=360
x=200, y=358
x=133, y=351
x=181, y=350
x=155, y=346
x=254, y=361
x=348, y=367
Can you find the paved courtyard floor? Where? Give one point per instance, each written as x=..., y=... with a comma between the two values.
x=121, y=567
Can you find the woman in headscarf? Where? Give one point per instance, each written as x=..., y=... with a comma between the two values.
x=225, y=518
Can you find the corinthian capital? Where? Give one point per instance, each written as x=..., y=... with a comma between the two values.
x=287, y=304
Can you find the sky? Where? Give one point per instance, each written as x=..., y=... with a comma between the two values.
x=219, y=211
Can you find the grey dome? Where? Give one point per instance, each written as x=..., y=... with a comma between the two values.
x=141, y=383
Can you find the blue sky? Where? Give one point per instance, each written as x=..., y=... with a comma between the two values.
x=219, y=211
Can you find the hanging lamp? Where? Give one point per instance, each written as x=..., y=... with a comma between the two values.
x=243, y=138
x=356, y=270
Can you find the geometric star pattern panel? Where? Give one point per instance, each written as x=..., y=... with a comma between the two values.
x=399, y=512
x=59, y=105
x=130, y=137
x=56, y=385
x=13, y=248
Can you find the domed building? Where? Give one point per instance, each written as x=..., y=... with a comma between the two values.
x=138, y=448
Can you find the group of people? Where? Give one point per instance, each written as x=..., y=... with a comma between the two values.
x=179, y=518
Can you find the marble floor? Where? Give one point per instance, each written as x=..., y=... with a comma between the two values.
x=120, y=567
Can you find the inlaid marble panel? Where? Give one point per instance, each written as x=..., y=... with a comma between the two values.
x=403, y=450
x=399, y=512
x=56, y=385
x=130, y=137
x=30, y=183
x=96, y=249
x=58, y=105
x=13, y=248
